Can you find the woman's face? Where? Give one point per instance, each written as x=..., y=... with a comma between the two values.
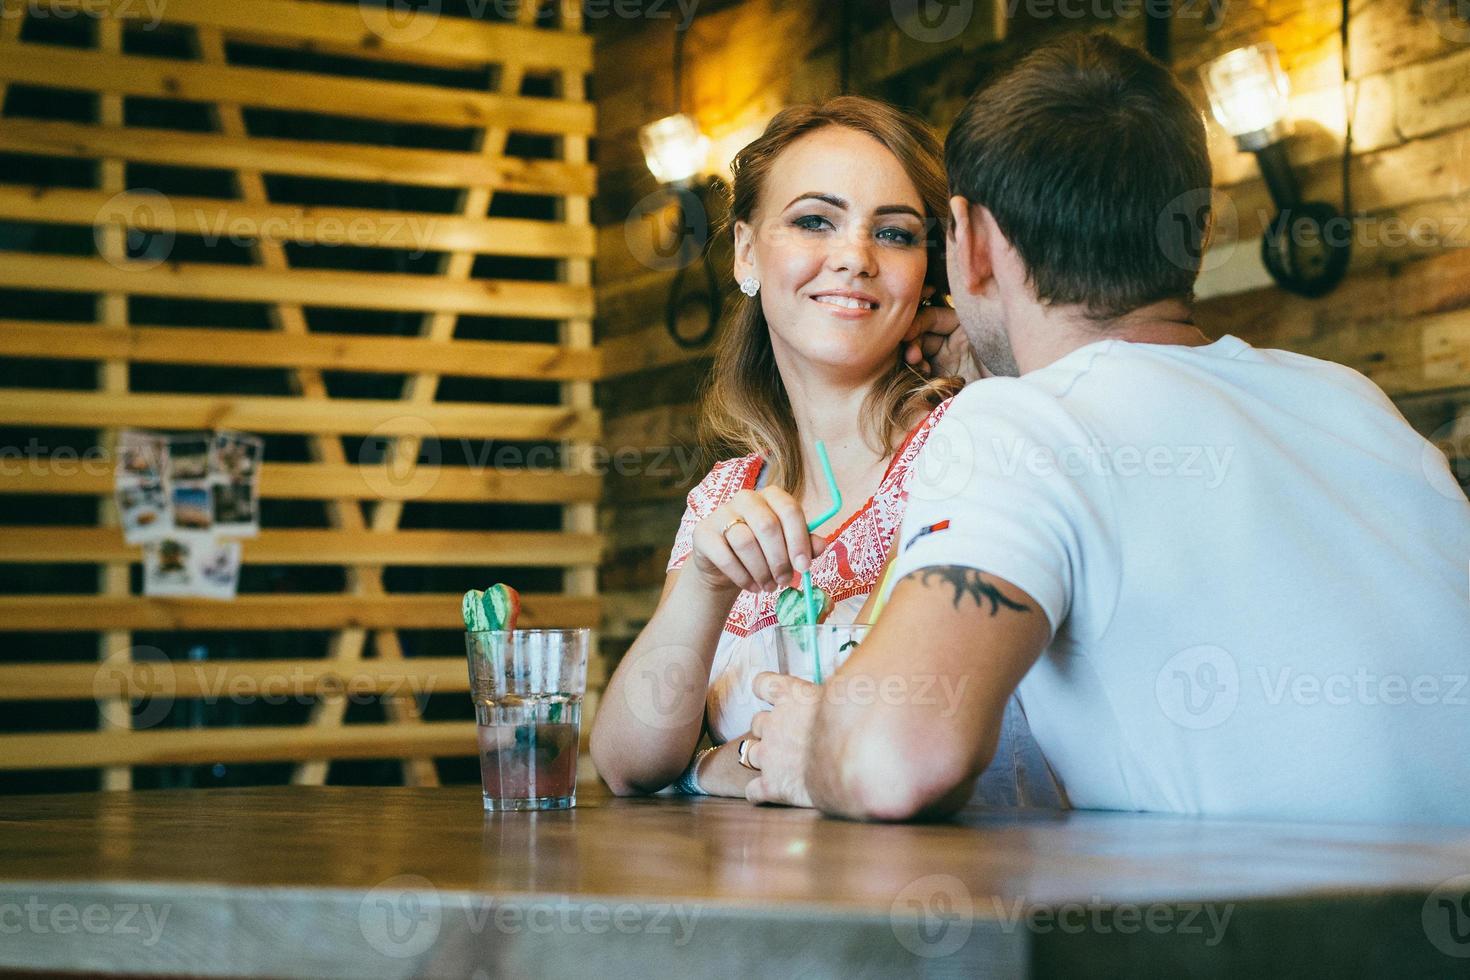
x=837, y=243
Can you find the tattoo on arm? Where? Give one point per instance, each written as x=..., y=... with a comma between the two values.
x=968, y=582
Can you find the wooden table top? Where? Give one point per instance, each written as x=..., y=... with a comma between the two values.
x=358, y=881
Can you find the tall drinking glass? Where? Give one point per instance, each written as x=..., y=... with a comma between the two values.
x=799, y=649
x=527, y=686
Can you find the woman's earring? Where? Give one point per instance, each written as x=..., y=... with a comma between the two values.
x=750, y=286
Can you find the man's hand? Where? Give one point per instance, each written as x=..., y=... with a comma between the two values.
x=782, y=735
x=937, y=346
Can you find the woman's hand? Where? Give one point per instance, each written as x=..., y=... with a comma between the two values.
x=936, y=346
x=755, y=543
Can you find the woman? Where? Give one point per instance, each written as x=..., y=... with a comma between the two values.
x=836, y=216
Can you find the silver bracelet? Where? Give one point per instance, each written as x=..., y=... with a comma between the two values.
x=688, y=783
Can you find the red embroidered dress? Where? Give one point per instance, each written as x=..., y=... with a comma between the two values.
x=847, y=571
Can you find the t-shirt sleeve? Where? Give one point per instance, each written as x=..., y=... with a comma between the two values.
x=992, y=490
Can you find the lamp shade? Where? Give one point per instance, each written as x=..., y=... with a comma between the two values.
x=674, y=148
x=1248, y=94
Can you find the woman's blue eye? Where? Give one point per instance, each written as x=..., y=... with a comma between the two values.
x=811, y=222
x=897, y=235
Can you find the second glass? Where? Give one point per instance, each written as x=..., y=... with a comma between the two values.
x=527, y=686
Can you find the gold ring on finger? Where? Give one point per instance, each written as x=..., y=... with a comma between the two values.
x=726, y=529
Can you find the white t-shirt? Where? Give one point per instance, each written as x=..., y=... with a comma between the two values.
x=1257, y=576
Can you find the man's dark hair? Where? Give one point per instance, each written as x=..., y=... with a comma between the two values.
x=1092, y=159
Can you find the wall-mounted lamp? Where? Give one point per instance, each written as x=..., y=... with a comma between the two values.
x=676, y=151
x=674, y=148
x=1307, y=244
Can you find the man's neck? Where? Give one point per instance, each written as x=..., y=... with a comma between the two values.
x=1054, y=332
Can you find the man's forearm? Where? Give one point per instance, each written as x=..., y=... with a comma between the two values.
x=903, y=754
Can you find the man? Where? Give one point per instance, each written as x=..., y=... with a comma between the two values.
x=1225, y=581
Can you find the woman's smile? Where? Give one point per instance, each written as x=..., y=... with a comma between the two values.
x=846, y=304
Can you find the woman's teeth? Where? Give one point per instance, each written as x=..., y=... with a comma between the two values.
x=846, y=302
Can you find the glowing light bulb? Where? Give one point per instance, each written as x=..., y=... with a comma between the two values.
x=674, y=148
x=1248, y=95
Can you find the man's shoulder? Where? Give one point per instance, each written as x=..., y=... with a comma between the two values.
x=1030, y=401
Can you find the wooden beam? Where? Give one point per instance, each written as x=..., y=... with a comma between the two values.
x=646, y=350
x=229, y=679
x=308, y=158
x=202, y=746
x=532, y=549
x=1374, y=299
x=1419, y=170
x=349, y=28
x=276, y=611
x=314, y=287
x=114, y=376
x=906, y=44
x=487, y=483
x=335, y=351
x=160, y=78
x=213, y=219
x=328, y=416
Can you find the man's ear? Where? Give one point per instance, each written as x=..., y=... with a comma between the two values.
x=744, y=251
x=969, y=243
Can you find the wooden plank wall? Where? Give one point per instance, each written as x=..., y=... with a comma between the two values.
x=735, y=78
x=1401, y=317
x=404, y=360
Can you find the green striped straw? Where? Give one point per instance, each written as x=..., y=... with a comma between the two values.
x=806, y=577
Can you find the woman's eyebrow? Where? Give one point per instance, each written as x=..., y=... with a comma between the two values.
x=898, y=209
x=842, y=205
x=831, y=199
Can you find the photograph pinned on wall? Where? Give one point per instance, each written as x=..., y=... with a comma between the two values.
x=235, y=512
x=189, y=457
x=191, y=564
x=215, y=569
x=180, y=496
x=141, y=456
x=237, y=455
x=166, y=565
x=236, y=482
x=192, y=506
x=144, y=510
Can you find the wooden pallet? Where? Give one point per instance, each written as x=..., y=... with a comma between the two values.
x=365, y=651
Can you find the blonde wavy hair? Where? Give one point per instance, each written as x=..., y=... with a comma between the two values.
x=745, y=408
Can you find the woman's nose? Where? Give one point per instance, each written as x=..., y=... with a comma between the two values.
x=855, y=255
